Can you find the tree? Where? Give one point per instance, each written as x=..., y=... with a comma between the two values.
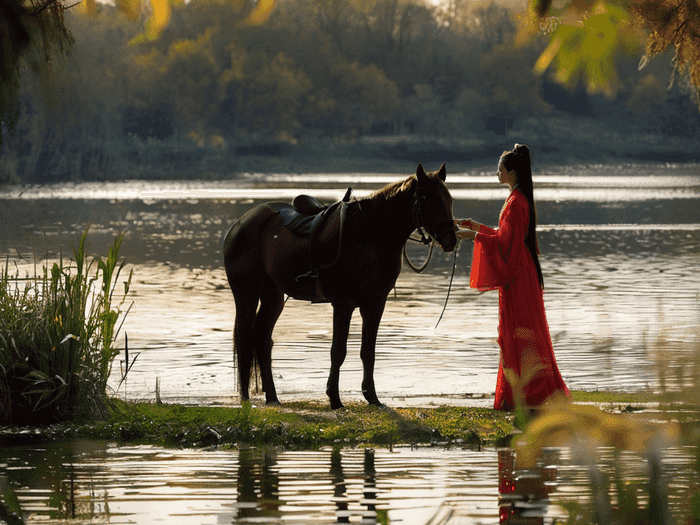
x=40, y=23
x=190, y=76
x=271, y=95
x=22, y=24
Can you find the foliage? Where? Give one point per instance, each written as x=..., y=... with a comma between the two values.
x=329, y=70
x=562, y=423
x=674, y=23
x=22, y=25
x=585, y=34
x=57, y=334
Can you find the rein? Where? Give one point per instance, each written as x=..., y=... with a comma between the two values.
x=429, y=239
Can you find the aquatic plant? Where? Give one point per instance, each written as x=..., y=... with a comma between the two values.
x=586, y=430
x=57, y=334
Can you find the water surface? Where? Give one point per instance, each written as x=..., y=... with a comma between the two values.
x=619, y=243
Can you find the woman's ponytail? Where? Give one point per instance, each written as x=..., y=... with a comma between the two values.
x=519, y=160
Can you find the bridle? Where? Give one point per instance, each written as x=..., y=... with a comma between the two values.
x=435, y=230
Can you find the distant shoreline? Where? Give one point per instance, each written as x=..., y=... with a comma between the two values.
x=398, y=155
x=559, y=144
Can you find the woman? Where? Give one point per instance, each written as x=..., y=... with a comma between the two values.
x=507, y=259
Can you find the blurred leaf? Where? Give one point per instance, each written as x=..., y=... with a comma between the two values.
x=160, y=16
x=562, y=423
x=585, y=45
x=260, y=13
x=88, y=7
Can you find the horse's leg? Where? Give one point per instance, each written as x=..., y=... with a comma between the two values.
x=342, y=314
x=246, y=305
x=271, y=306
x=371, y=316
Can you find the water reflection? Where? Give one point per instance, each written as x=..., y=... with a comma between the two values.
x=524, y=494
x=95, y=481
x=85, y=481
x=258, y=485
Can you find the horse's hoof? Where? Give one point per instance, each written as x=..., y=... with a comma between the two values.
x=379, y=404
x=273, y=403
x=337, y=405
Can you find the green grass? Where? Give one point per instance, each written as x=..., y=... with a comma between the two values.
x=299, y=425
x=57, y=334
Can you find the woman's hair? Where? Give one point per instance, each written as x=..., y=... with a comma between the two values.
x=518, y=159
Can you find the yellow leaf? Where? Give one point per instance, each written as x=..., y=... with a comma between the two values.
x=160, y=16
x=260, y=13
x=88, y=7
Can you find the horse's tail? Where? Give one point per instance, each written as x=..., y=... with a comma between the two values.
x=232, y=237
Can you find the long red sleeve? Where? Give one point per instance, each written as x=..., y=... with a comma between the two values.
x=498, y=254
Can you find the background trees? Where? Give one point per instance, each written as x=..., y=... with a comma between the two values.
x=239, y=70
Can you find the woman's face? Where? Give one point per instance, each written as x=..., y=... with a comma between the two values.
x=505, y=176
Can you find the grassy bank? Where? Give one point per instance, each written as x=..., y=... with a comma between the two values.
x=302, y=425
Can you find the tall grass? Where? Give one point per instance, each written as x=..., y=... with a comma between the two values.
x=57, y=334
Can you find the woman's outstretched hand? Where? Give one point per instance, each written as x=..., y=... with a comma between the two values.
x=467, y=229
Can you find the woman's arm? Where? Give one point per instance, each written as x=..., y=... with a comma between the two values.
x=497, y=256
x=466, y=234
x=471, y=224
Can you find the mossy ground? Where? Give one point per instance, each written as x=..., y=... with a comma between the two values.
x=301, y=425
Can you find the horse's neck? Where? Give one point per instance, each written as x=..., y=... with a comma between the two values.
x=393, y=216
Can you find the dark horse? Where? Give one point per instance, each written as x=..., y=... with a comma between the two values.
x=264, y=260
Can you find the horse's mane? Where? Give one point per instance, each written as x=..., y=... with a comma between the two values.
x=392, y=190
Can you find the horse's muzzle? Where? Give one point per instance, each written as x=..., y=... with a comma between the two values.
x=447, y=239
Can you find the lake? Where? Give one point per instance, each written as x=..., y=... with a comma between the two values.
x=620, y=248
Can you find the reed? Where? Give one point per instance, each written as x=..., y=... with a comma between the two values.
x=57, y=337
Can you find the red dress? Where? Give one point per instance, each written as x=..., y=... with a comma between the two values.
x=502, y=260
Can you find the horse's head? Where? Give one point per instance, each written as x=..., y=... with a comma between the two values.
x=432, y=208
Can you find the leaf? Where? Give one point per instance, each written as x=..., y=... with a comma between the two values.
x=156, y=23
x=88, y=7
x=260, y=13
x=68, y=337
x=584, y=44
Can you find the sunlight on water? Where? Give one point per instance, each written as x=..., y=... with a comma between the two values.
x=619, y=246
x=83, y=481
x=663, y=184
x=620, y=275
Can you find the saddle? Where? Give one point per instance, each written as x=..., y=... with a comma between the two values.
x=323, y=225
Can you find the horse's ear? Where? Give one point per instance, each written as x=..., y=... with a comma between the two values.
x=421, y=175
x=443, y=172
